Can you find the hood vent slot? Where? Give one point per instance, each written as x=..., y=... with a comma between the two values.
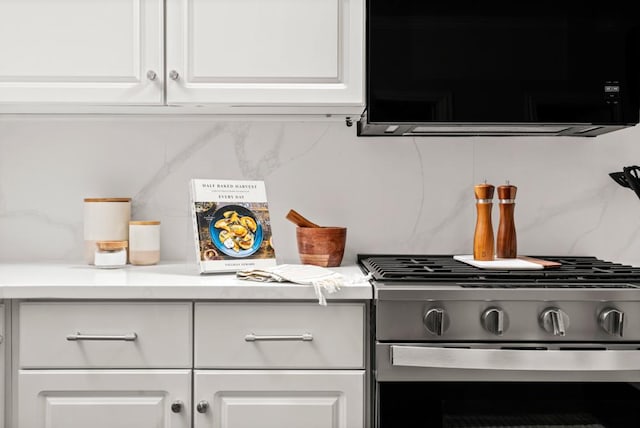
x=430, y=130
x=439, y=129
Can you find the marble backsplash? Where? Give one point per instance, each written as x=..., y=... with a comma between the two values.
x=395, y=195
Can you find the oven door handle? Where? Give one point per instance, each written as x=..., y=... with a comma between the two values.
x=509, y=359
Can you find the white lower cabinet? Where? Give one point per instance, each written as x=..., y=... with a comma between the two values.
x=107, y=364
x=104, y=398
x=104, y=364
x=279, y=398
x=279, y=365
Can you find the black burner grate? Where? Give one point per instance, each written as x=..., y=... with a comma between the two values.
x=443, y=268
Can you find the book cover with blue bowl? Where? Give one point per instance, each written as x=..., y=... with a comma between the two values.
x=232, y=227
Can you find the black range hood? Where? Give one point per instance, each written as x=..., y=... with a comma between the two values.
x=468, y=68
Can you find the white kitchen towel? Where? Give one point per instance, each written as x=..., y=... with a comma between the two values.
x=323, y=280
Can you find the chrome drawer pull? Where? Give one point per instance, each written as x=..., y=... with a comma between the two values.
x=305, y=337
x=131, y=337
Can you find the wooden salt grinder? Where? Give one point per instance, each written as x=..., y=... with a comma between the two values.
x=507, y=246
x=483, y=244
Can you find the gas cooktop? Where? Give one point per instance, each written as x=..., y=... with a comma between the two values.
x=583, y=272
x=435, y=297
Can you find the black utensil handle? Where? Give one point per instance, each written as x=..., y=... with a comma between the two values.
x=634, y=170
x=619, y=178
x=633, y=178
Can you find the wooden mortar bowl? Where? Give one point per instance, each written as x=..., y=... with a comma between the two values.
x=321, y=246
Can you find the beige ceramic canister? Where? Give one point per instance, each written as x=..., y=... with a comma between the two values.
x=105, y=219
x=144, y=242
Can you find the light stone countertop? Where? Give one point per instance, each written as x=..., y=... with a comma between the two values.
x=162, y=281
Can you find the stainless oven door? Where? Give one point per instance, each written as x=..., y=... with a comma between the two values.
x=507, y=362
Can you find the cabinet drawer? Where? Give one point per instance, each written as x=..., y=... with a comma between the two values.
x=279, y=335
x=105, y=335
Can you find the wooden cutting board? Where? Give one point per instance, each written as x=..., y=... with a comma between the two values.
x=519, y=263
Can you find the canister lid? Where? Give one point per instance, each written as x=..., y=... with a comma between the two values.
x=146, y=222
x=111, y=245
x=107, y=199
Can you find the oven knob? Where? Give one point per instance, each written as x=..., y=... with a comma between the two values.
x=494, y=320
x=612, y=321
x=554, y=321
x=436, y=321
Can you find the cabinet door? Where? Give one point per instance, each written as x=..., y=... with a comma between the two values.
x=104, y=398
x=81, y=51
x=248, y=54
x=279, y=399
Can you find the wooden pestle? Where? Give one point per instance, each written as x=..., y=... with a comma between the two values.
x=299, y=220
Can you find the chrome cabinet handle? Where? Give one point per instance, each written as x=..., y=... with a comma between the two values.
x=173, y=75
x=305, y=337
x=151, y=75
x=176, y=406
x=130, y=337
x=202, y=406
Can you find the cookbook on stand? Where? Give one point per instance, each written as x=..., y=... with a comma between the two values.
x=232, y=227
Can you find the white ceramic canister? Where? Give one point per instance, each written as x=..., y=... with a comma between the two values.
x=144, y=242
x=105, y=219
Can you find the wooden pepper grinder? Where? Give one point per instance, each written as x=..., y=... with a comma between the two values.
x=483, y=244
x=507, y=247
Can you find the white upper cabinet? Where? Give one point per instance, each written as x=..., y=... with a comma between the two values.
x=81, y=51
x=233, y=56
x=252, y=53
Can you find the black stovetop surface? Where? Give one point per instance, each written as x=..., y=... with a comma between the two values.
x=403, y=269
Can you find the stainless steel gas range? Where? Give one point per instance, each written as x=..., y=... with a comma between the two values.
x=458, y=346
